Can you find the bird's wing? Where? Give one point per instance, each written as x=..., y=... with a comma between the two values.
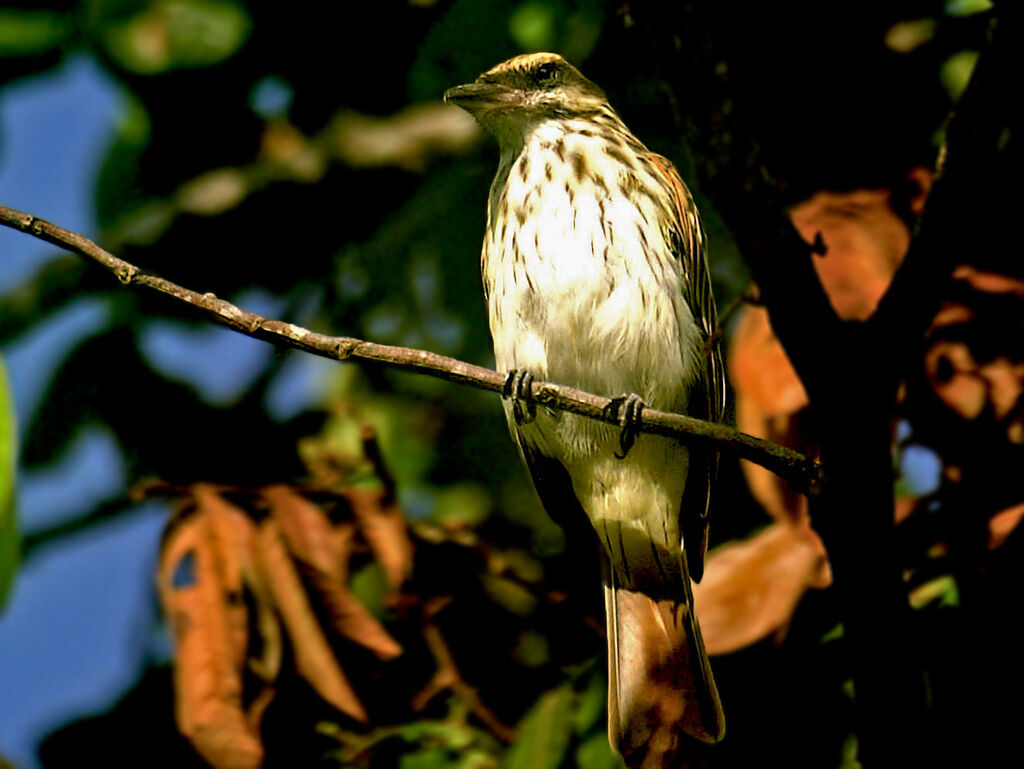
x=707, y=400
x=554, y=487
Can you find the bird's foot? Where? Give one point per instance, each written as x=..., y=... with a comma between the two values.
x=627, y=410
x=518, y=388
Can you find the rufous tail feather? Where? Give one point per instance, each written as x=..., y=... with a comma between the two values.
x=660, y=685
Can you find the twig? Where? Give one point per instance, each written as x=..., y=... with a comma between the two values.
x=448, y=678
x=800, y=472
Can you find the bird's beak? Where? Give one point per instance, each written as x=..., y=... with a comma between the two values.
x=477, y=98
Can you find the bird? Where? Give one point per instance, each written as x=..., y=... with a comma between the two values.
x=595, y=274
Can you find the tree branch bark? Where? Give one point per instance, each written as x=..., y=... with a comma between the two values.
x=799, y=471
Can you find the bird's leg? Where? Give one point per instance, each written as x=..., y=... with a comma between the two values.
x=626, y=409
x=518, y=387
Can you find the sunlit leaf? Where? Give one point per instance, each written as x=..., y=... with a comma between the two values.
x=956, y=72
x=177, y=34
x=9, y=536
x=943, y=590
x=967, y=7
x=905, y=36
x=214, y=192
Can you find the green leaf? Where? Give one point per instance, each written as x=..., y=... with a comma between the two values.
x=849, y=758
x=833, y=634
x=433, y=758
x=967, y=7
x=591, y=704
x=371, y=588
x=956, y=72
x=28, y=33
x=596, y=753
x=467, y=503
x=177, y=34
x=475, y=759
x=544, y=732
x=511, y=596
x=9, y=537
x=531, y=649
x=532, y=26
x=943, y=590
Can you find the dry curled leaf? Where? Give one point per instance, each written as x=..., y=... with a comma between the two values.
x=768, y=396
x=230, y=532
x=309, y=536
x=1003, y=524
x=313, y=656
x=383, y=526
x=865, y=240
x=751, y=588
x=207, y=681
x=973, y=363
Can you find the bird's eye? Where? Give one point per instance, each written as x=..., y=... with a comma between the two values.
x=547, y=74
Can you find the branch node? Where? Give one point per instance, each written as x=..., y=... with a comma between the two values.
x=545, y=392
x=344, y=348
x=126, y=273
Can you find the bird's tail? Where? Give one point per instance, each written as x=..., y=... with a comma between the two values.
x=660, y=685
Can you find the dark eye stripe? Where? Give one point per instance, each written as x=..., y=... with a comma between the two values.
x=547, y=73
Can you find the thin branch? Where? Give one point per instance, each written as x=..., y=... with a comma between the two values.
x=800, y=472
x=448, y=678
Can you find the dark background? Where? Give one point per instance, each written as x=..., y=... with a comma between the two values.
x=243, y=149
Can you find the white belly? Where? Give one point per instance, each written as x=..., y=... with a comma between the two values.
x=600, y=308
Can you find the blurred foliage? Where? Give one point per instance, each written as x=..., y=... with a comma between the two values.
x=9, y=537
x=268, y=150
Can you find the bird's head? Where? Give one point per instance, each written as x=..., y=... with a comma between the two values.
x=512, y=97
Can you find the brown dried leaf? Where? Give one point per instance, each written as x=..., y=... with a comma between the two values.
x=750, y=589
x=990, y=282
x=313, y=656
x=1003, y=524
x=760, y=368
x=382, y=524
x=207, y=682
x=306, y=530
x=310, y=537
x=768, y=394
x=230, y=532
x=866, y=241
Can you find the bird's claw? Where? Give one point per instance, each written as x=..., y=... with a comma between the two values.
x=627, y=410
x=518, y=388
